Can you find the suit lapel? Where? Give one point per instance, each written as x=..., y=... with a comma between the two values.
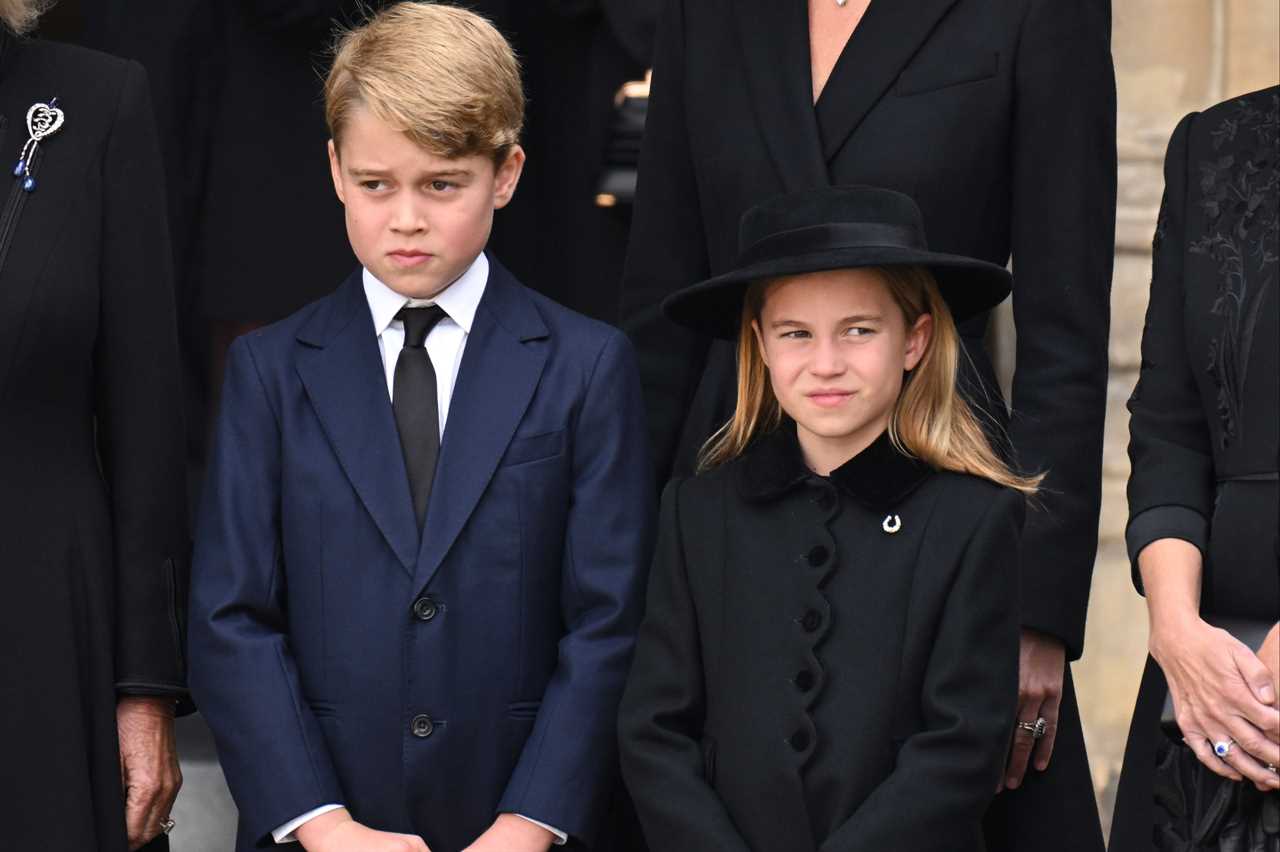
x=341, y=369
x=496, y=381
x=774, y=37
x=886, y=38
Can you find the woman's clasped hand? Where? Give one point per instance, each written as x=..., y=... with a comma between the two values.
x=1224, y=697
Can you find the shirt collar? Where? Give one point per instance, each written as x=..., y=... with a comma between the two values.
x=880, y=477
x=460, y=300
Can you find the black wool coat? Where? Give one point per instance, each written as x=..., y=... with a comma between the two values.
x=826, y=663
x=1204, y=433
x=93, y=535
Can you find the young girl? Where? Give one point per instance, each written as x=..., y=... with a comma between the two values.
x=829, y=657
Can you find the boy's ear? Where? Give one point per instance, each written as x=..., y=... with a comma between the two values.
x=507, y=176
x=918, y=337
x=335, y=170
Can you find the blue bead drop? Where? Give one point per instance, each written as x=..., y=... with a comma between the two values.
x=17, y=170
x=29, y=184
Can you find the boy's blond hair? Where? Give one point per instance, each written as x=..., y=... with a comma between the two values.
x=442, y=75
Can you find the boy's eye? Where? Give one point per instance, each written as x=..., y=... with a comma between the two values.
x=372, y=185
x=441, y=185
x=858, y=331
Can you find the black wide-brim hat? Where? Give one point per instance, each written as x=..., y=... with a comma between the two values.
x=841, y=227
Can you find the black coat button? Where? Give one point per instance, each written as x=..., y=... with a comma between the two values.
x=811, y=621
x=804, y=681
x=826, y=501
x=425, y=609
x=818, y=555
x=422, y=727
x=799, y=740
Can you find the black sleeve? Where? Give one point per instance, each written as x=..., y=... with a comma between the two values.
x=1171, y=460
x=946, y=773
x=667, y=249
x=635, y=23
x=1063, y=238
x=663, y=710
x=138, y=404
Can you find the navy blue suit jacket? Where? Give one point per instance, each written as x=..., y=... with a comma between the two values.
x=308, y=655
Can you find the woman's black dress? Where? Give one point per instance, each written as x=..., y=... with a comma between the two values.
x=93, y=540
x=998, y=118
x=1206, y=411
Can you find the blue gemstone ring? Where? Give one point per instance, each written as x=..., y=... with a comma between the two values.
x=1222, y=748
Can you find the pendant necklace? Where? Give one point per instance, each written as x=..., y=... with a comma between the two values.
x=43, y=120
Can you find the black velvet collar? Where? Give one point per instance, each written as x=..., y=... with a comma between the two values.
x=880, y=477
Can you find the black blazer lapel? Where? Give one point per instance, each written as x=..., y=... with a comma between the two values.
x=341, y=369
x=774, y=37
x=496, y=381
x=888, y=36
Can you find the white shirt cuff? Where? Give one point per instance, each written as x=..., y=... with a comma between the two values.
x=560, y=837
x=284, y=834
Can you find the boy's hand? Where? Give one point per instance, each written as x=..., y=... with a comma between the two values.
x=510, y=833
x=336, y=831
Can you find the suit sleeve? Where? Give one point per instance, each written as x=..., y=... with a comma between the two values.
x=667, y=249
x=565, y=773
x=946, y=773
x=1063, y=238
x=138, y=405
x=663, y=710
x=242, y=670
x=1171, y=478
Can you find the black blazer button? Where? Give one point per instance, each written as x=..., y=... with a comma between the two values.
x=422, y=727
x=804, y=680
x=811, y=621
x=799, y=740
x=818, y=555
x=826, y=501
x=425, y=609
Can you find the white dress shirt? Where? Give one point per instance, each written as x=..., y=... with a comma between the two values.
x=445, y=344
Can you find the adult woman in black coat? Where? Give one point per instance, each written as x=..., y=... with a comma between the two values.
x=1202, y=492
x=92, y=508
x=998, y=117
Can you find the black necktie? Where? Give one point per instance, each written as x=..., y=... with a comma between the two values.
x=414, y=403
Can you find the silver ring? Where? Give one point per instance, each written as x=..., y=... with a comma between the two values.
x=1222, y=748
x=168, y=825
x=1036, y=728
x=1271, y=767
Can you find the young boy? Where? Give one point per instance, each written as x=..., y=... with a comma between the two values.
x=420, y=553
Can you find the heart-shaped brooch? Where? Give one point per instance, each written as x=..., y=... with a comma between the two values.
x=43, y=120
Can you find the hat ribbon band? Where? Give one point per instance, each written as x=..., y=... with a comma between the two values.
x=841, y=235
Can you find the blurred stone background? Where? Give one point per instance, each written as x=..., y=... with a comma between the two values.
x=1171, y=57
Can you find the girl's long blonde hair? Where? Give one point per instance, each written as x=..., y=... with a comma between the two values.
x=931, y=420
x=21, y=15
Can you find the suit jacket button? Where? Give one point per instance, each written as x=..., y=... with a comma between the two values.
x=811, y=621
x=422, y=727
x=818, y=555
x=425, y=609
x=799, y=740
x=804, y=680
